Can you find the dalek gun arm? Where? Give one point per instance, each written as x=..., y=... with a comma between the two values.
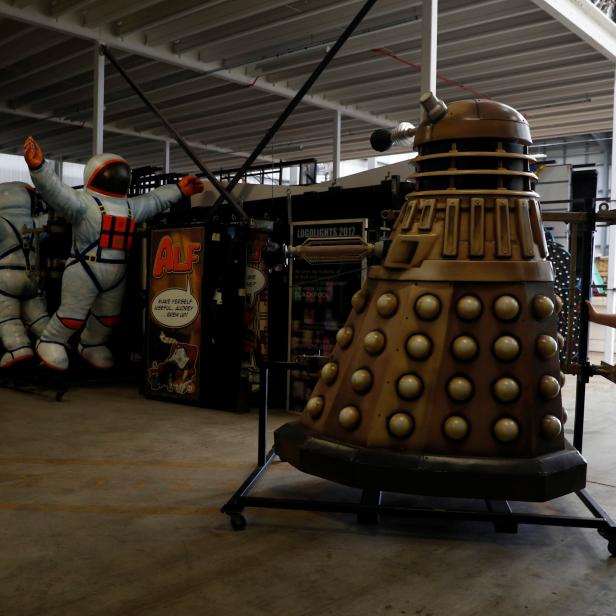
x=316, y=250
x=383, y=139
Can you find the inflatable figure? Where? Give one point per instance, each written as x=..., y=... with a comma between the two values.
x=21, y=302
x=103, y=220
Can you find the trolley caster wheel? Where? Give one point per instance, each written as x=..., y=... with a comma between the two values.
x=238, y=521
x=611, y=547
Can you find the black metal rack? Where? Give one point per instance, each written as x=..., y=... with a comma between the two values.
x=499, y=513
x=273, y=172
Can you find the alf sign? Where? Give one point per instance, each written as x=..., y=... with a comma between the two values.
x=174, y=315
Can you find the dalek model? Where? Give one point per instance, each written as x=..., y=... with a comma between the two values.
x=445, y=379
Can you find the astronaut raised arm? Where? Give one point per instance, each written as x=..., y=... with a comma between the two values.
x=62, y=198
x=152, y=203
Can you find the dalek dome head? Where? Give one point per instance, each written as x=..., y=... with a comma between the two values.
x=475, y=119
x=474, y=144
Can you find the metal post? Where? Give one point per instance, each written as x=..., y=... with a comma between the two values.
x=429, y=17
x=167, y=157
x=586, y=242
x=337, y=144
x=98, y=112
x=224, y=192
x=59, y=166
x=288, y=110
x=603, y=241
x=262, y=430
x=608, y=345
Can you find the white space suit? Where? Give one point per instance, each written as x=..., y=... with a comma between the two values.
x=103, y=221
x=21, y=301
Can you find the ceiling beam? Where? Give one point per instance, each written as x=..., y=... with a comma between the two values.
x=120, y=131
x=70, y=25
x=161, y=13
x=210, y=17
x=586, y=20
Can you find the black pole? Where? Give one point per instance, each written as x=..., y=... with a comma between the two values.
x=300, y=94
x=262, y=429
x=586, y=242
x=224, y=193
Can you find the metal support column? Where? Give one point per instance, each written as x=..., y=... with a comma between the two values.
x=337, y=144
x=608, y=347
x=167, y=157
x=58, y=164
x=605, y=189
x=586, y=242
x=98, y=113
x=429, y=17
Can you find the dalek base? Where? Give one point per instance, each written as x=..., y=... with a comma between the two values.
x=535, y=479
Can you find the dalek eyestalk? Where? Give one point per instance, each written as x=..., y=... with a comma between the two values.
x=383, y=139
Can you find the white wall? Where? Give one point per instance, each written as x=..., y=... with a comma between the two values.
x=14, y=169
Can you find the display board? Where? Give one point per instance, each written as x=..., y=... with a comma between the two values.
x=174, y=313
x=255, y=339
x=554, y=186
x=319, y=300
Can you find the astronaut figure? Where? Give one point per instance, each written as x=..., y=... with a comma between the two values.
x=21, y=301
x=103, y=220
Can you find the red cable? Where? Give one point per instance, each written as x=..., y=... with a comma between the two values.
x=457, y=84
x=250, y=85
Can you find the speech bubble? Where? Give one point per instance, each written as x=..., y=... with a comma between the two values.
x=175, y=307
x=255, y=280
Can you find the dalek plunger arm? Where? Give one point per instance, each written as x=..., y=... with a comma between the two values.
x=316, y=250
x=319, y=250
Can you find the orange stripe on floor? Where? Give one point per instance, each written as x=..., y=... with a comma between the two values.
x=246, y=466
x=115, y=462
x=124, y=509
x=142, y=511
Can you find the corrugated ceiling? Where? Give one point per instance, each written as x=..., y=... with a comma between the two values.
x=508, y=50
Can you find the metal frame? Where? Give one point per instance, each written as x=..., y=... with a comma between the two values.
x=299, y=96
x=274, y=168
x=499, y=513
x=58, y=53
x=72, y=25
x=182, y=143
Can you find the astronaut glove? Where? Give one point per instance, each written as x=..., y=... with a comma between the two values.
x=190, y=185
x=33, y=153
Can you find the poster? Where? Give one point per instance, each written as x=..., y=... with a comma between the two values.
x=174, y=314
x=256, y=311
x=255, y=339
x=319, y=301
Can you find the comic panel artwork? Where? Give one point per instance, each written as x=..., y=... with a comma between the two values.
x=174, y=313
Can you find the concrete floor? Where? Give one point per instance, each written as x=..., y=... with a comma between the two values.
x=109, y=505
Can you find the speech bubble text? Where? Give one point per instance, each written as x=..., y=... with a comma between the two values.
x=175, y=307
x=255, y=280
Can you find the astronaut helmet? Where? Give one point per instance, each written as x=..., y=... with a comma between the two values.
x=18, y=198
x=107, y=174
